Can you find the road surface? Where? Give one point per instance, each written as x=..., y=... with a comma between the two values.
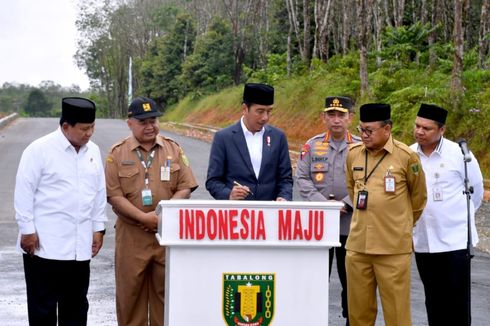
x=13, y=310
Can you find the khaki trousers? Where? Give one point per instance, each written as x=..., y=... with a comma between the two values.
x=391, y=275
x=140, y=277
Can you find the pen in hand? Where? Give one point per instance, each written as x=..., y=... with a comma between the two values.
x=239, y=185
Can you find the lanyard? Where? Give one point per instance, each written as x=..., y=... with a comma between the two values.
x=146, y=165
x=366, y=176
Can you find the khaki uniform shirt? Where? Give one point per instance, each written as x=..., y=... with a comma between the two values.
x=385, y=227
x=125, y=175
x=320, y=172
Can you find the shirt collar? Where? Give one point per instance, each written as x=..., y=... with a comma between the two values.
x=247, y=132
x=347, y=137
x=65, y=143
x=388, y=146
x=134, y=143
x=437, y=150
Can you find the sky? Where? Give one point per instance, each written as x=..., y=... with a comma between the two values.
x=38, y=42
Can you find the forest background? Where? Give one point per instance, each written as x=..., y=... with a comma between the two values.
x=193, y=56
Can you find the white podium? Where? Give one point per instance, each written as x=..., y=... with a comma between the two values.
x=247, y=263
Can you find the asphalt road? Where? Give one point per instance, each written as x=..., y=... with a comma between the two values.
x=13, y=309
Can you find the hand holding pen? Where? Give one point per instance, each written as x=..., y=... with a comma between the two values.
x=239, y=191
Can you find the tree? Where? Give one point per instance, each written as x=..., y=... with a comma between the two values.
x=210, y=67
x=242, y=14
x=322, y=15
x=37, y=104
x=295, y=20
x=398, y=12
x=405, y=44
x=162, y=66
x=457, y=73
x=483, y=34
x=364, y=15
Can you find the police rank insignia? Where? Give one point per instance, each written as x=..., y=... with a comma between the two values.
x=248, y=299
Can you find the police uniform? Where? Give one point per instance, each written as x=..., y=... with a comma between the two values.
x=380, y=241
x=140, y=260
x=320, y=172
x=320, y=175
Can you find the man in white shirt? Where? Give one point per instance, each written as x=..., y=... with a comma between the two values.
x=60, y=200
x=250, y=159
x=440, y=236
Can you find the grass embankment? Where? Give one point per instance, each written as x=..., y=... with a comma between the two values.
x=300, y=99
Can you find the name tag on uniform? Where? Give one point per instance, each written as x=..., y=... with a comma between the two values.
x=165, y=173
x=128, y=162
x=146, y=197
x=390, y=183
x=437, y=193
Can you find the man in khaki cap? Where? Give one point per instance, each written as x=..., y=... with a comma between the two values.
x=140, y=171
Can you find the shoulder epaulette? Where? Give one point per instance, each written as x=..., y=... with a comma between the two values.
x=354, y=145
x=119, y=143
x=357, y=138
x=404, y=147
x=322, y=135
x=170, y=140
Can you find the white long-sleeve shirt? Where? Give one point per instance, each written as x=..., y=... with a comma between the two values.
x=443, y=224
x=254, y=144
x=61, y=195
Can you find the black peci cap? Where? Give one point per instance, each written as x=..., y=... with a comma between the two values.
x=77, y=110
x=374, y=112
x=338, y=103
x=258, y=94
x=143, y=108
x=432, y=112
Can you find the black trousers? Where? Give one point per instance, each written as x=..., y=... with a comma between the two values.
x=340, y=257
x=445, y=279
x=56, y=285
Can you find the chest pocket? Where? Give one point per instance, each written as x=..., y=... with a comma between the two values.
x=318, y=171
x=130, y=179
x=358, y=173
x=316, y=167
x=174, y=177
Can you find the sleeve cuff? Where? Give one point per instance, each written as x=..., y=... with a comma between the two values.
x=98, y=226
x=27, y=227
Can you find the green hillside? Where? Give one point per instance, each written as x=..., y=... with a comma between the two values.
x=299, y=101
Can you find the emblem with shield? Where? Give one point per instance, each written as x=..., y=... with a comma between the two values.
x=248, y=298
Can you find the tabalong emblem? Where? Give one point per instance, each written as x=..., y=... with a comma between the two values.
x=248, y=299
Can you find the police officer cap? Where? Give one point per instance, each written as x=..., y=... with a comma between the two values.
x=258, y=94
x=77, y=110
x=338, y=103
x=374, y=112
x=432, y=112
x=143, y=108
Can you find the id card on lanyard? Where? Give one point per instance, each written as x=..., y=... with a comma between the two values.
x=362, y=195
x=146, y=196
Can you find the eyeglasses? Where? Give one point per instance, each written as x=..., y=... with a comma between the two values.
x=368, y=132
